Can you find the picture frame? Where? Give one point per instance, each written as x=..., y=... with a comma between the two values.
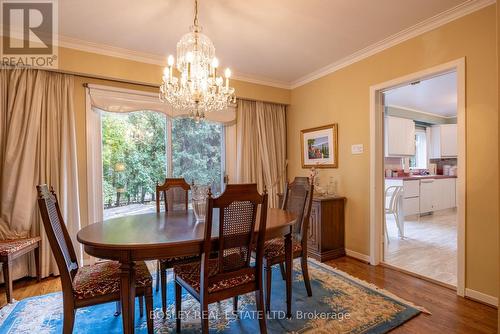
x=319, y=146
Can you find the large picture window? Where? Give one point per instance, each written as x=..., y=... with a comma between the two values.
x=141, y=148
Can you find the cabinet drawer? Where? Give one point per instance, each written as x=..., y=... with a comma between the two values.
x=411, y=188
x=411, y=206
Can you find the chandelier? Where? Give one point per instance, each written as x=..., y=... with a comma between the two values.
x=198, y=89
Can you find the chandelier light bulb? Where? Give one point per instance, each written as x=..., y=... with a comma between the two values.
x=215, y=62
x=189, y=57
x=227, y=73
x=170, y=60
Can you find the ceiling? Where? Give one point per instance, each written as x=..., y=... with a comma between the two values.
x=436, y=96
x=280, y=41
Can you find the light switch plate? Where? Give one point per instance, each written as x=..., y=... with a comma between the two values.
x=357, y=149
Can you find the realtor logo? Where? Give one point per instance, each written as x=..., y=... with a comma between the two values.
x=28, y=33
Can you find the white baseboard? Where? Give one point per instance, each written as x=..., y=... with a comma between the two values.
x=356, y=255
x=481, y=297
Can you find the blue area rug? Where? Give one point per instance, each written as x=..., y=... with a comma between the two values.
x=340, y=304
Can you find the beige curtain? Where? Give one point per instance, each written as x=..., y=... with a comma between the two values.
x=261, y=146
x=37, y=145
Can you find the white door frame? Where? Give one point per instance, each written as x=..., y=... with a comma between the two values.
x=377, y=161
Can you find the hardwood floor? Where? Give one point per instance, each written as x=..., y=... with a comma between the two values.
x=429, y=247
x=450, y=313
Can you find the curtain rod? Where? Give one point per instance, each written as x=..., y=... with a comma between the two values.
x=138, y=83
x=253, y=100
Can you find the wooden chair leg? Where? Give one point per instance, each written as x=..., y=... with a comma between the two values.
x=68, y=317
x=7, y=266
x=37, y=264
x=149, y=310
x=178, y=306
x=118, y=307
x=204, y=316
x=235, y=304
x=259, y=300
x=269, y=273
x=163, y=275
x=305, y=273
x=157, y=275
x=282, y=269
x=141, y=306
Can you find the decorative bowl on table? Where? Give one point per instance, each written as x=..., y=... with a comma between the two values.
x=199, y=194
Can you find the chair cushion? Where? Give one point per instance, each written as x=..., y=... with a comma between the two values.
x=190, y=273
x=104, y=278
x=13, y=245
x=276, y=247
x=169, y=263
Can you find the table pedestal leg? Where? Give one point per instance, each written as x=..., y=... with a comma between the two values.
x=289, y=269
x=127, y=295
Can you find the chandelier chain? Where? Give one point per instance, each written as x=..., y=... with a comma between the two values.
x=195, y=13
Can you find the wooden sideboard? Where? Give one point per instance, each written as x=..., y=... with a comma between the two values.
x=327, y=228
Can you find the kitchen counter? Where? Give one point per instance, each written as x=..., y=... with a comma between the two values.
x=420, y=177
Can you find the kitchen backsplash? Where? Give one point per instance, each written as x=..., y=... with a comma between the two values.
x=441, y=162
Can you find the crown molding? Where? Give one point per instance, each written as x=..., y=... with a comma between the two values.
x=434, y=22
x=148, y=58
x=112, y=51
x=429, y=24
x=261, y=80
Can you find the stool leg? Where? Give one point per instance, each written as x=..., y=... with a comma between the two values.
x=37, y=264
x=8, y=279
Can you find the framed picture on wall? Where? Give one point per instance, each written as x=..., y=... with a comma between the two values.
x=320, y=147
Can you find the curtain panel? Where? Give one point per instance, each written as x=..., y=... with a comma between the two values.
x=261, y=146
x=37, y=145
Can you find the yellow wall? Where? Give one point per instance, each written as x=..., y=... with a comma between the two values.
x=498, y=95
x=343, y=97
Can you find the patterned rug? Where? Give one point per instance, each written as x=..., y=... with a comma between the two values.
x=340, y=304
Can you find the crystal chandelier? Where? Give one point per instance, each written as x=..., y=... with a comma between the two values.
x=198, y=89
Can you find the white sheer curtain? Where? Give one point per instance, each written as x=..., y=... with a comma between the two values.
x=37, y=145
x=261, y=146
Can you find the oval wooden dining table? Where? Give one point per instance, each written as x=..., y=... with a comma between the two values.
x=164, y=235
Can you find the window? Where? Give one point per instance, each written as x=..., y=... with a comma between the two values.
x=197, y=152
x=419, y=161
x=136, y=154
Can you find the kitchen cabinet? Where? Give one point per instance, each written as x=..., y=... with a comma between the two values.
x=425, y=195
x=444, y=141
x=437, y=194
x=399, y=137
x=411, y=193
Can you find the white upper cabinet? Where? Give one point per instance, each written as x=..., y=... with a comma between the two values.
x=444, y=141
x=399, y=137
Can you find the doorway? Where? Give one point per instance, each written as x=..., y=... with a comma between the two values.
x=414, y=226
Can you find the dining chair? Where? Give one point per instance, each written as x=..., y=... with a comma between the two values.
x=231, y=273
x=11, y=249
x=87, y=285
x=392, y=206
x=297, y=198
x=175, y=193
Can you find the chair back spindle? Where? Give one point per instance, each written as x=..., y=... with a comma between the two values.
x=297, y=199
x=238, y=207
x=58, y=236
x=175, y=193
